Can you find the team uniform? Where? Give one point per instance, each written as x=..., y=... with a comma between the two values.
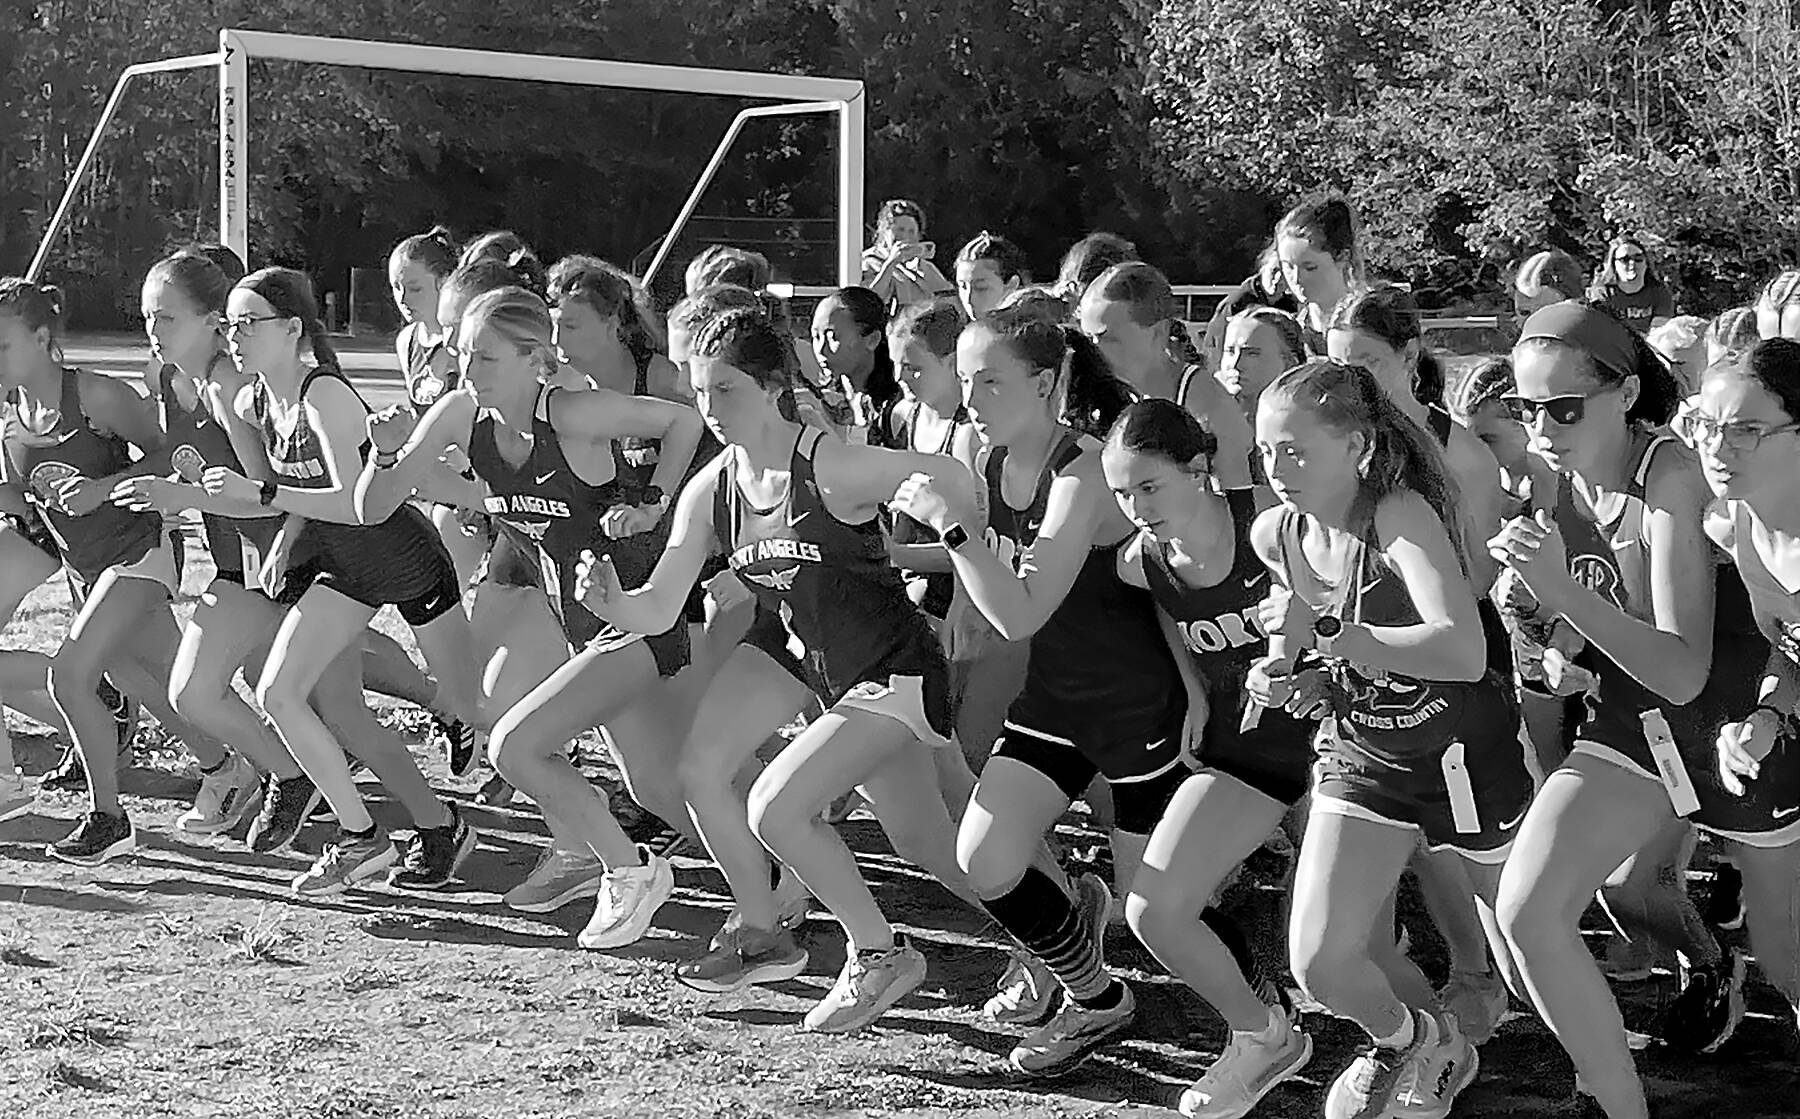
x=895, y=429
x=544, y=503
x=1102, y=693
x=195, y=441
x=399, y=562
x=1611, y=557
x=431, y=370
x=1219, y=626
x=107, y=537
x=1438, y=756
x=831, y=608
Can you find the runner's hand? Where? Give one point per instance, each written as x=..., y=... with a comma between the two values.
x=1741, y=748
x=628, y=520
x=145, y=494
x=727, y=590
x=390, y=428
x=597, y=583
x=80, y=496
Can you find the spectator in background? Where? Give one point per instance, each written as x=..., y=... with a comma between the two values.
x=1628, y=287
x=1778, y=309
x=1683, y=341
x=1734, y=329
x=1266, y=287
x=899, y=268
x=1089, y=257
x=1547, y=277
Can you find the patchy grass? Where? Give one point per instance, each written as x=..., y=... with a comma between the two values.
x=185, y=981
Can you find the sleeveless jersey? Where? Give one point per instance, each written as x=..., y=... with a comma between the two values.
x=197, y=441
x=1493, y=625
x=1102, y=648
x=1611, y=557
x=895, y=429
x=431, y=371
x=1769, y=596
x=543, y=503
x=1388, y=715
x=73, y=449
x=843, y=605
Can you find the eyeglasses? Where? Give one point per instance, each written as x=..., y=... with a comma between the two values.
x=235, y=324
x=1698, y=430
x=1564, y=411
x=1629, y=258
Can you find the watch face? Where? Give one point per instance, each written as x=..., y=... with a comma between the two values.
x=1328, y=626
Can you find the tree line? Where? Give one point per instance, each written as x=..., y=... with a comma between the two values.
x=1467, y=133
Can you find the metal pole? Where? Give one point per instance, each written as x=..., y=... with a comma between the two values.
x=86, y=163
x=234, y=129
x=852, y=130
x=712, y=168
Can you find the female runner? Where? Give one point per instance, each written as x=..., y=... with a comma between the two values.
x=1316, y=242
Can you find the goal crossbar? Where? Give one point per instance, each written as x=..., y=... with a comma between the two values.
x=841, y=97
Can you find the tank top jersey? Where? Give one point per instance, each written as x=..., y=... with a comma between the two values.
x=1611, y=558
x=543, y=504
x=197, y=441
x=1769, y=596
x=1222, y=632
x=1102, y=648
x=109, y=535
x=895, y=429
x=399, y=553
x=842, y=603
x=1388, y=715
x=1493, y=623
x=431, y=370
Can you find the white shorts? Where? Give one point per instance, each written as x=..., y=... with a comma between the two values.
x=902, y=699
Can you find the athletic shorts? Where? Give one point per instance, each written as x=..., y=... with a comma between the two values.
x=160, y=564
x=1275, y=757
x=671, y=650
x=1467, y=796
x=422, y=608
x=1767, y=815
x=1138, y=802
x=912, y=686
x=34, y=531
x=1122, y=746
x=693, y=611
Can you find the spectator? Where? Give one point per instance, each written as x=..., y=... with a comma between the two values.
x=899, y=267
x=1629, y=287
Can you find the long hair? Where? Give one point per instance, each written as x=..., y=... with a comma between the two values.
x=1092, y=397
x=1389, y=312
x=612, y=293
x=518, y=316
x=290, y=293
x=1401, y=456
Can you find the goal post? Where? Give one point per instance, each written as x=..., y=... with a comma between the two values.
x=796, y=93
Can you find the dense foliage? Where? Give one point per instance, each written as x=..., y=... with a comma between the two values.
x=1468, y=133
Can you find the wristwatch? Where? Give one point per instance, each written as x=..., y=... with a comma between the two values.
x=653, y=495
x=266, y=495
x=1326, y=628
x=955, y=537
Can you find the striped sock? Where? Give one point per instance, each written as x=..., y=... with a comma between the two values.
x=1046, y=923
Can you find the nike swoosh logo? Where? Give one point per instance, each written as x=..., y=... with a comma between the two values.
x=1254, y=581
x=794, y=522
x=1155, y=746
x=546, y=477
x=1784, y=813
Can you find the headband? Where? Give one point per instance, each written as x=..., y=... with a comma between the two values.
x=1602, y=337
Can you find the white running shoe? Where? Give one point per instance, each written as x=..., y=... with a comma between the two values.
x=560, y=877
x=226, y=798
x=1443, y=1069
x=629, y=899
x=346, y=861
x=1250, y=1067
x=1072, y=1036
x=869, y=984
x=1025, y=994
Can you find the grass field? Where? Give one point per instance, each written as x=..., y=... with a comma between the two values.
x=184, y=981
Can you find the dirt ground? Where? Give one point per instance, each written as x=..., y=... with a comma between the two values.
x=184, y=981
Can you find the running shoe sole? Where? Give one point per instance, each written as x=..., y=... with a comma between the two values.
x=662, y=885
x=1276, y=1081
x=1079, y=1057
x=361, y=873
x=587, y=889
x=767, y=973
x=241, y=811
x=119, y=847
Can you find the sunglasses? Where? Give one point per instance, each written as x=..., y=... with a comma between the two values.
x=1564, y=411
x=1629, y=258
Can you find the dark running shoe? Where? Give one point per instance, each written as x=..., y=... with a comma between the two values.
x=68, y=775
x=286, y=804
x=433, y=855
x=1725, y=901
x=98, y=837
x=1710, y=1006
x=462, y=744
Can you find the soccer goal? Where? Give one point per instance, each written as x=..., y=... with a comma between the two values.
x=792, y=94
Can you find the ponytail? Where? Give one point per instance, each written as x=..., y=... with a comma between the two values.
x=1093, y=397
x=290, y=293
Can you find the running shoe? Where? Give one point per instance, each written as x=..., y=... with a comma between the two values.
x=629, y=899
x=1025, y=994
x=286, y=804
x=740, y=957
x=869, y=984
x=560, y=877
x=495, y=793
x=98, y=837
x=1071, y=1037
x=1477, y=1002
x=462, y=744
x=1710, y=1006
x=1628, y=959
x=346, y=861
x=1725, y=901
x=1369, y=1088
x=434, y=855
x=1251, y=1066
x=227, y=797
x=1440, y=1074
x=17, y=797
x=68, y=775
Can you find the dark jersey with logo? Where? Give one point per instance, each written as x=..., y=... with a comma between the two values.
x=196, y=441
x=1102, y=648
x=72, y=449
x=842, y=604
x=431, y=371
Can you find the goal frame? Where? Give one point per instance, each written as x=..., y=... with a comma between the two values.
x=794, y=93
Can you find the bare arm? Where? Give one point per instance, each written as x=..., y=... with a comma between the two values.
x=599, y=415
x=380, y=491
x=657, y=605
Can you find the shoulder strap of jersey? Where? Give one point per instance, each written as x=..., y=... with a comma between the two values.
x=1068, y=449
x=1441, y=423
x=1187, y=381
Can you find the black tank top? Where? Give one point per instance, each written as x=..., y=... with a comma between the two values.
x=1389, y=714
x=431, y=371
x=197, y=441
x=73, y=449
x=1102, y=647
x=1611, y=557
x=544, y=503
x=1493, y=624
x=1219, y=624
x=843, y=604
x=895, y=429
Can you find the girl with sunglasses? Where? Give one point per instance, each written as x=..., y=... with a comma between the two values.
x=1616, y=547
x=1629, y=288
